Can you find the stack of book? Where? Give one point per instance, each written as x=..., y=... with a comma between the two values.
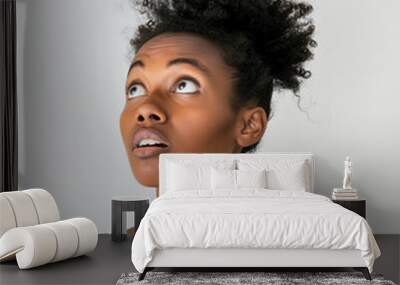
x=344, y=194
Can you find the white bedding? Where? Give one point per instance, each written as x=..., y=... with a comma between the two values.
x=251, y=218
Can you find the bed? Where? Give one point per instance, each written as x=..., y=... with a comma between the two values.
x=245, y=211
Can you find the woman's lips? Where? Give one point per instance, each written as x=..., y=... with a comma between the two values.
x=148, y=151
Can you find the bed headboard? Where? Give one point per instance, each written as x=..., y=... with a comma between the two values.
x=166, y=157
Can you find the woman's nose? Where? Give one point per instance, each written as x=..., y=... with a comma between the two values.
x=148, y=114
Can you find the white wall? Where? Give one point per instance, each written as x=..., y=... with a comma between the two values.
x=72, y=63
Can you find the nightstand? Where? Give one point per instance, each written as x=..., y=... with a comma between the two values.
x=119, y=206
x=357, y=206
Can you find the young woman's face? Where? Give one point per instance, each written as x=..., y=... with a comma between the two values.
x=178, y=94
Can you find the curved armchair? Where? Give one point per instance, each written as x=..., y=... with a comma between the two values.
x=31, y=231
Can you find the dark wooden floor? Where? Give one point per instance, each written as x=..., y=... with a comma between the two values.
x=111, y=259
x=102, y=266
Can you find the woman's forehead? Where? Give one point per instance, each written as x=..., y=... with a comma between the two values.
x=169, y=45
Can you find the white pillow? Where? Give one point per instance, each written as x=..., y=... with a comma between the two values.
x=223, y=179
x=293, y=178
x=282, y=174
x=185, y=177
x=191, y=174
x=230, y=180
x=251, y=178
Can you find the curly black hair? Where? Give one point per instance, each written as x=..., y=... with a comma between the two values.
x=266, y=41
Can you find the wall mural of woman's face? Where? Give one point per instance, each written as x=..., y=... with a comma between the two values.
x=178, y=94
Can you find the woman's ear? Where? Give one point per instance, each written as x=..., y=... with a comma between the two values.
x=251, y=125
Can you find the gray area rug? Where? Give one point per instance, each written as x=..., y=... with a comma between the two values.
x=229, y=278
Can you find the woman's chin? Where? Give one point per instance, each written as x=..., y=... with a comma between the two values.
x=146, y=171
x=147, y=181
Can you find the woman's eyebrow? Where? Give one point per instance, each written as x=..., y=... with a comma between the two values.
x=180, y=60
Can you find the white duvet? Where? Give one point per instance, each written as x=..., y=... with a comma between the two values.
x=252, y=218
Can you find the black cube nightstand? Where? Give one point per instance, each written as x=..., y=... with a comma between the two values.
x=119, y=206
x=357, y=206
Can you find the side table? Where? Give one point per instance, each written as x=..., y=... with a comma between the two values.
x=357, y=206
x=119, y=206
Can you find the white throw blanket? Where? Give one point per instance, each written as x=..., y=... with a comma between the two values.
x=252, y=218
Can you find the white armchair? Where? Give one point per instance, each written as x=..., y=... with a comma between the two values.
x=31, y=231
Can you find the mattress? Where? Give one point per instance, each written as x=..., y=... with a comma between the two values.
x=250, y=218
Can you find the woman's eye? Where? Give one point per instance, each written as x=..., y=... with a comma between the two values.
x=187, y=86
x=136, y=90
